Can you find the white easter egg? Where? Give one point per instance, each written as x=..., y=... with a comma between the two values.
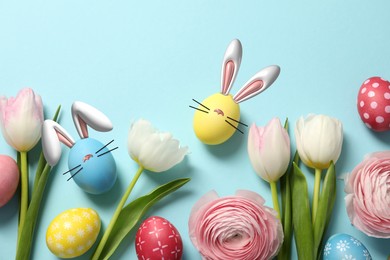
x=73, y=232
x=344, y=246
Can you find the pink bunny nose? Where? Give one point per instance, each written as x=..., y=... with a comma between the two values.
x=87, y=157
x=219, y=112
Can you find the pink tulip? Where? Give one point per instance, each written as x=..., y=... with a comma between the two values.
x=368, y=195
x=9, y=178
x=235, y=228
x=269, y=150
x=21, y=119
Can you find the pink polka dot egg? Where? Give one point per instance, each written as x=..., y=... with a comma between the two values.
x=373, y=103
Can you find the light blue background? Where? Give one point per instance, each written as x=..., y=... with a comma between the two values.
x=148, y=59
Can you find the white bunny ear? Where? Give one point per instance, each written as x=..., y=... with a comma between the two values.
x=52, y=135
x=231, y=64
x=84, y=114
x=258, y=83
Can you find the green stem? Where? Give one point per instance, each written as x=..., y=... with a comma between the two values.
x=103, y=241
x=274, y=191
x=24, y=190
x=316, y=193
x=26, y=238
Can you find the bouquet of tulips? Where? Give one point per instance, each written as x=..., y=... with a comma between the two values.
x=319, y=141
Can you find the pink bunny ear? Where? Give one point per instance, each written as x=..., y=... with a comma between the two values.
x=52, y=135
x=84, y=114
x=258, y=83
x=231, y=64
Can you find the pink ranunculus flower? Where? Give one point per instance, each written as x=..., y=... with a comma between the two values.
x=236, y=227
x=368, y=195
x=21, y=119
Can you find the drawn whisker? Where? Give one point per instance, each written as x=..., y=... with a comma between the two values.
x=204, y=111
x=234, y=127
x=107, y=151
x=200, y=104
x=241, y=123
x=104, y=146
x=74, y=174
x=72, y=169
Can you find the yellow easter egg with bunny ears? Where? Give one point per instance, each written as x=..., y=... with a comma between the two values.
x=221, y=121
x=217, y=117
x=73, y=232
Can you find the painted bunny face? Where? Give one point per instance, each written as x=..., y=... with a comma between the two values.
x=218, y=117
x=91, y=164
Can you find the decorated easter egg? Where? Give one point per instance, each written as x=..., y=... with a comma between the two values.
x=157, y=238
x=93, y=166
x=221, y=120
x=344, y=246
x=9, y=178
x=373, y=103
x=73, y=232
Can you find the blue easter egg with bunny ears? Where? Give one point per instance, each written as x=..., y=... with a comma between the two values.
x=92, y=166
x=344, y=246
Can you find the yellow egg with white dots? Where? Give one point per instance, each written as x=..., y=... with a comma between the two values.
x=73, y=232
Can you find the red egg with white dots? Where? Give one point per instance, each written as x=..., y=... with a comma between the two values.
x=158, y=239
x=373, y=103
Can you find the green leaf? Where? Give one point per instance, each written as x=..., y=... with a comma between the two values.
x=285, y=189
x=325, y=207
x=285, y=126
x=303, y=229
x=133, y=212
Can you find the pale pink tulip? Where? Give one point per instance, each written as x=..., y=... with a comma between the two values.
x=368, y=195
x=269, y=150
x=237, y=227
x=9, y=178
x=21, y=119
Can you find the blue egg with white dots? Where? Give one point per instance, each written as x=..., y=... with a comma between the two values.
x=345, y=247
x=92, y=166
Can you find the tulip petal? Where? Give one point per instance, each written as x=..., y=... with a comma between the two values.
x=269, y=150
x=319, y=140
x=155, y=151
x=21, y=119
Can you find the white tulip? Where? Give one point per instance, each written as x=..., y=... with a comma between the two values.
x=319, y=140
x=153, y=150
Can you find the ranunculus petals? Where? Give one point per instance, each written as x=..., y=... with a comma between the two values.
x=368, y=195
x=235, y=227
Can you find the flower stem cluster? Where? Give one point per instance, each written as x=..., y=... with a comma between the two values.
x=319, y=141
x=21, y=120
